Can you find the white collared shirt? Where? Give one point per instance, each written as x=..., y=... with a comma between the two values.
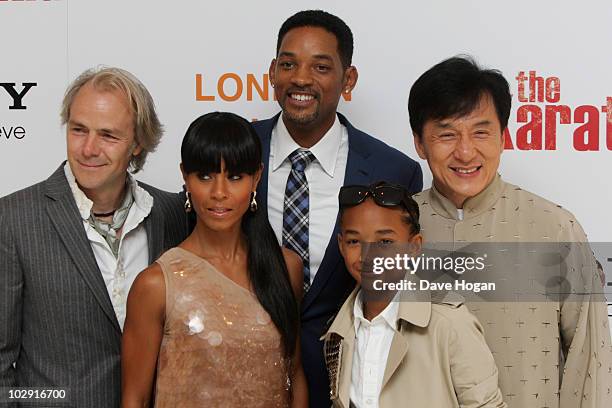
x=118, y=273
x=460, y=214
x=325, y=176
x=372, y=345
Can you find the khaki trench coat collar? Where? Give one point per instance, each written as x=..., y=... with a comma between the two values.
x=341, y=338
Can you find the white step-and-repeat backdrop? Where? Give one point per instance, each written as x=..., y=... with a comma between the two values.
x=198, y=56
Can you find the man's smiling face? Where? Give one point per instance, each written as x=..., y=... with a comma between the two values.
x=309, y=77
x=463, y=153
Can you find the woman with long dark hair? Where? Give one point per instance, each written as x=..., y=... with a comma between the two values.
x=214, y=321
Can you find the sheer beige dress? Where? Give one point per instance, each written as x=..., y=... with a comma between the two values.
x=220, y=348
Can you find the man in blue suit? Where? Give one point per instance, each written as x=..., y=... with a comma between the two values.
x=308, y=155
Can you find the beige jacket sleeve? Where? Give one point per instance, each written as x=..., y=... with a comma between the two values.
x=585, y=334
x=473, y=370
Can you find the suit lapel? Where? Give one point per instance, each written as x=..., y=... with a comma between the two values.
x=68, y=223
x=154, y=226
x=358, y=171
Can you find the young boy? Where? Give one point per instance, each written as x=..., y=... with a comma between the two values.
x=393, y=354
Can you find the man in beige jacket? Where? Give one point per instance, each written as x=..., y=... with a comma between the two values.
x=549, y=354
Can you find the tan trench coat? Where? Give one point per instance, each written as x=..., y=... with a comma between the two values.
x=438, y=358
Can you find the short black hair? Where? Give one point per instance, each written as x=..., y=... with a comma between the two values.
x=409, y=206
x=453, y=88
x=327, y=21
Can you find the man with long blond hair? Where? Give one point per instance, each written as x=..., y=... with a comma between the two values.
x=71, y=246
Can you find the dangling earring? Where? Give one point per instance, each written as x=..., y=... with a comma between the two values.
x=253, y=206
x=188, y=202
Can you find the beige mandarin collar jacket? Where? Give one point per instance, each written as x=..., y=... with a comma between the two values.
x=438, y=358
x=554, y=354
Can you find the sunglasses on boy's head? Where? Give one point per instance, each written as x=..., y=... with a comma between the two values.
x=387, y=195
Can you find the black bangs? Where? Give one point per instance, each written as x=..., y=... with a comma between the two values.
x=452, y=105
x=462, y=95
x=220, y=136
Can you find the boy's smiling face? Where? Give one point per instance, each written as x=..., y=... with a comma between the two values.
x=370, y=223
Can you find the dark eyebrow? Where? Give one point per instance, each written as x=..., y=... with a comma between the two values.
x=483, y=123
x=446, y=125
x=290, y=54
x=443, y=125
x=349, y=231
x=385, y=232
x=324, y=57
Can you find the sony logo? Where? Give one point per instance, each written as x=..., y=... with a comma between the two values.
x=15, y=95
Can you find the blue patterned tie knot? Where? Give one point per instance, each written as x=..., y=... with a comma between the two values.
x=300, y=159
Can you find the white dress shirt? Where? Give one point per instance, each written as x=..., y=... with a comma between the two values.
x=325, y=176
x=460, y=214
x=372, y=345
x=118, y=273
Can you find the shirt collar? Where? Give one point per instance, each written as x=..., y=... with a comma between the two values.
x=473, y=206
x=388, y=315
x=413, y=308
x=142, y=199
x=326, y=150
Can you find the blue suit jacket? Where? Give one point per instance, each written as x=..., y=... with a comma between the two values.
x=369, y=160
